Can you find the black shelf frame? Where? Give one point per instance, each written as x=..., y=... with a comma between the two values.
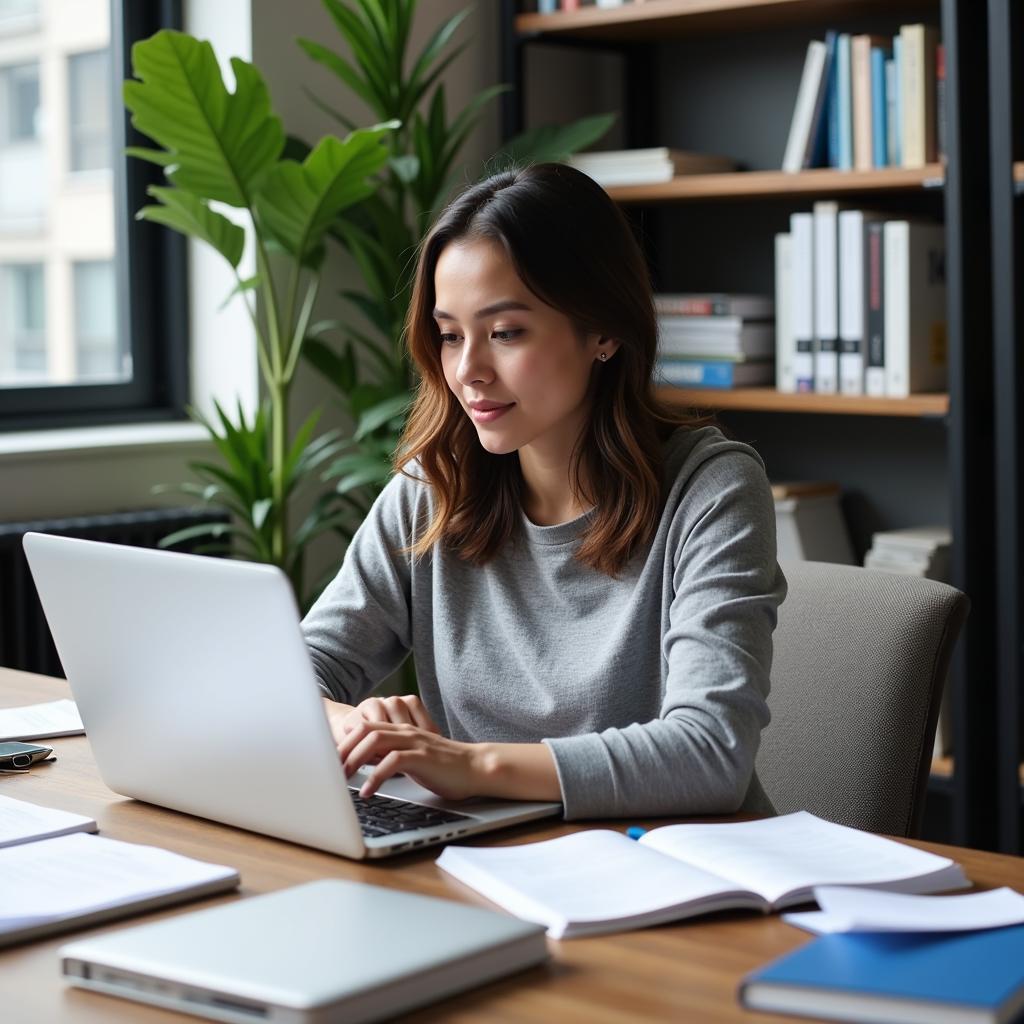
x=985, y=678
x=1006, y=114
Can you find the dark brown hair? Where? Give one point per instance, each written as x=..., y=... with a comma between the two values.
x=572, y=247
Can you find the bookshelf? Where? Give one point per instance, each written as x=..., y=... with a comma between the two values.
x=770, y=400
x=756, y=184
x=720, y=76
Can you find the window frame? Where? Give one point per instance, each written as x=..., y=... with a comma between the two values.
x=149, y=271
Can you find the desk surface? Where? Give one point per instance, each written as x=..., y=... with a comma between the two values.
x=685, y=971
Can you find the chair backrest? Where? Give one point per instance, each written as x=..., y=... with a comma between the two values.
x=860, y=660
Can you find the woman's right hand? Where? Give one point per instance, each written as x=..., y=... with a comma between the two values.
x=404, y=710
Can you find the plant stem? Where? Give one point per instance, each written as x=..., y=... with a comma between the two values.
x=279, y=452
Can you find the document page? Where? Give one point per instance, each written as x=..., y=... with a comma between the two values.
x=846, y=909
x=40, y=721
x=788, y=855
x=75, y=875
x=22, y=822
x=586, y=882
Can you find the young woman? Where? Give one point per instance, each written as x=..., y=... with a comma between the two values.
x=587, y=580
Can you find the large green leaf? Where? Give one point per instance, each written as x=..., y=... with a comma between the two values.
x=222, y=143
x=299, y=202
x=551, y=143
x=184, y=212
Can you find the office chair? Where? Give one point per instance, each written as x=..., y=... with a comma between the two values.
x=861, y=657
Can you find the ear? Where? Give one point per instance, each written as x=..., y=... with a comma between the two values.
x=603, y=347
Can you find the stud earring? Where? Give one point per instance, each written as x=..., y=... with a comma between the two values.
x=604, y=357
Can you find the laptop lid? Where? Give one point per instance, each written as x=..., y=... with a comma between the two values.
x=197, y=693
x=329, y=950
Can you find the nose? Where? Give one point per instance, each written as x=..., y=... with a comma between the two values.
x=474, y=363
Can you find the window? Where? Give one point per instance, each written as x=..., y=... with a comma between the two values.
x=22, y=323
x=19, y=95
x=100, y=336
x=98, y=355
x=89, y=110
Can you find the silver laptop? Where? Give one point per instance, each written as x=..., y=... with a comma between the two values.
x=197, y=693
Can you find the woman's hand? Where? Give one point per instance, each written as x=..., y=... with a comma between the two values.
x=451, y=769
x=343, y=718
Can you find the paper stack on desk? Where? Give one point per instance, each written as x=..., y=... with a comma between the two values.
x=41, y=721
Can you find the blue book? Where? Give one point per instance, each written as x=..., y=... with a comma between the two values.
x=879, y=110
x=713, y=373
x=844, y=102
x=897, y=56
x=897, y=977
x=832, y=99
x=823, y=131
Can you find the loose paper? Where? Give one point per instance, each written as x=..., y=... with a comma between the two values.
x=41, y=721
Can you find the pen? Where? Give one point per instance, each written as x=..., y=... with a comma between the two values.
x=635, y=831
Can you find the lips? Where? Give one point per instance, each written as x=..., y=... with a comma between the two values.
x=488, y=406
x=486, y=412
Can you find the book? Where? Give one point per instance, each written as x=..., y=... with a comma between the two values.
x=918, y=86
x=647, y=166
x=874, y=357
x=967, y=977
x=940, y=102
x=748, y=341
x=844, y=102
x=750, y=307
x=897, y=59
x=892, y=123
x=915, y=308
x=56, y=884
x=853, y=305
x=822, y=144
x=328, y=950
x=832, y=98
x=879, y=109
x=801, y=227
x=826, y=300
x=785, y=341
x=600, y=881
x=810, y=100
x=713, y=373
x=863, y=104
x=22, y=822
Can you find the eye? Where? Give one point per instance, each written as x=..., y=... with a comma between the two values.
x=447, y=339
x=507, y=335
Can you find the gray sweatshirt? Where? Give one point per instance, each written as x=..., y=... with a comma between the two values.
x=649, y=689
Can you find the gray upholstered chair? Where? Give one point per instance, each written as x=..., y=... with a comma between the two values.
x=860, y=661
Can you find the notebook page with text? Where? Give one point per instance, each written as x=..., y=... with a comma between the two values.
x=783, y=858
x=590, y=882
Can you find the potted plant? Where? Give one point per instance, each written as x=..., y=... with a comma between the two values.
x=221, y=148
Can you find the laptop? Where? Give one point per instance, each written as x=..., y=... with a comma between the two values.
x=197, y=693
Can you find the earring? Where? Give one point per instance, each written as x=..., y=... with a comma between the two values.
x=604, y=357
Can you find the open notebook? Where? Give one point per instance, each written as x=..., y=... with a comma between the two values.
x=601, y=881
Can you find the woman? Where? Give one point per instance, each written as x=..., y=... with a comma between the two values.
x=587, y=580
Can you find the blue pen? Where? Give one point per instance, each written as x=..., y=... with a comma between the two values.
x=635, y=831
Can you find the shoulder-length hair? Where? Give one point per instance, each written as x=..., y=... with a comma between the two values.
x=573, y=248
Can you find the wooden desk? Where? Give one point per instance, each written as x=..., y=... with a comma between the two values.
x=687, y=971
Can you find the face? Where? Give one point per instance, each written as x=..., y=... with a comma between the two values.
x=517, y=366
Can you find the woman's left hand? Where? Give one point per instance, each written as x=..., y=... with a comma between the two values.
x=449, y=768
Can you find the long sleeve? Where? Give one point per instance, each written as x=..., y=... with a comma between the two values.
x=359, y=630
x=698, y=755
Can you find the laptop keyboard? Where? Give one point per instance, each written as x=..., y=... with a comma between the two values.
x=383, y=815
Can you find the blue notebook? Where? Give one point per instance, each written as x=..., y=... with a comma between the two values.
x=952, y=976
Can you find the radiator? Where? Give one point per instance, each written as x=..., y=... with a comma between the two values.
x=25, y=641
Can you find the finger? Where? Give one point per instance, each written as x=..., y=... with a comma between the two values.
x=389, y=766
x=377, y=742
x=398, y=711
x=373, y=710
x=419, y=715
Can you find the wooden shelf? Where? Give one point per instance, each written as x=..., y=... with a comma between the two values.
x=655, y=19
x=942, y=768
x=1018, y=177
x=747, y=184
x=770, y=400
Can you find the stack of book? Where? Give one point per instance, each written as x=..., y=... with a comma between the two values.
x=869, y=101
x=715, y=340
x=861, y=304
x=918, y=551
x=646, y=166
